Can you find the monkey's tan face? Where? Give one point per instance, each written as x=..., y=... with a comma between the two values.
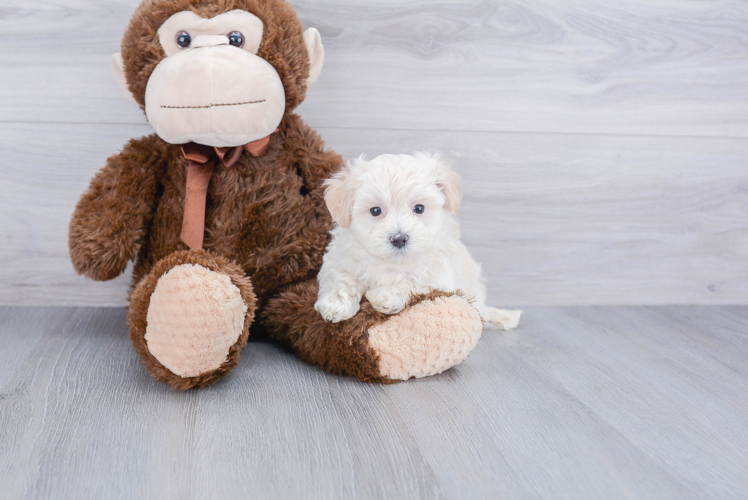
x=212, y=88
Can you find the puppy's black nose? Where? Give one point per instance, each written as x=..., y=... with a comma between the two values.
x=399, y=240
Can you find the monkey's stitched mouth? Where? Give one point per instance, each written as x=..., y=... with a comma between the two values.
x=213, y=105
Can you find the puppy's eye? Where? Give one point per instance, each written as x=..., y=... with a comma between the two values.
x=236, y=39
x=419, y=209
x=376, y=211
x=184, y=39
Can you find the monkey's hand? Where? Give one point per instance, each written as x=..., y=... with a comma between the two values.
x=111, y=218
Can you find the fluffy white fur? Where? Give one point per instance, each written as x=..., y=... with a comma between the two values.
x=362, y=259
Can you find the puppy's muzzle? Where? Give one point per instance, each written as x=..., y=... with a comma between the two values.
x=399, y=240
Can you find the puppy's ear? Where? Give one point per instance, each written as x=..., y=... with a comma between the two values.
x=450, y=182
x=339, y=197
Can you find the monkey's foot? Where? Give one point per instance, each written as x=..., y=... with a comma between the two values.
x=196, y=319
x=427, y=338
x=195, y=316
x=433, y=333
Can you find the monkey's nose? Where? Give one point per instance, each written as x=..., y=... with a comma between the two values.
x=399, y=240
x=209, y=41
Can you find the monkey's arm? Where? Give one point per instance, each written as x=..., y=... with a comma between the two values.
x=315, y=164
x=112, y=216
x=304, y=223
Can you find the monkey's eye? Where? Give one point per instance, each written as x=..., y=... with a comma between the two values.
x=376, y=211
x=419, y=209
x=184, y=39
x=236, y=39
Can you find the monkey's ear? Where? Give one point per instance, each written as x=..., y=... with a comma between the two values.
x=450, y=183
x=339, y=197
x=313, y=42
x=118, y=70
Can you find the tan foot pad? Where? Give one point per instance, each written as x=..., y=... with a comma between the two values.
x=194, y=317
x=430, y=337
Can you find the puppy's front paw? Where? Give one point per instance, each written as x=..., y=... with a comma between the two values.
x=337, y=307
x=386, y=301
x=496, y=319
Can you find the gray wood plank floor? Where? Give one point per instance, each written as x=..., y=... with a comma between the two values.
x=586, y=402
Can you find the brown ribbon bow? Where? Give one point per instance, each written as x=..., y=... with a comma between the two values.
x=202, y=159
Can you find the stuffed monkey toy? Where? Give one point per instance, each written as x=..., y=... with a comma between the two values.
x=222, y=209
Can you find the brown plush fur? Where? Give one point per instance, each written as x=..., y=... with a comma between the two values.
x=338, y=348
x=266, y=223
x=141, y=298
x=282, y=41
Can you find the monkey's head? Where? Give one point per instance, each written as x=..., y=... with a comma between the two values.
x=221, y=73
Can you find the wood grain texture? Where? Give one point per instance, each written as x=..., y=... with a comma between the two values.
x=592, y=66
x=603, y=144
x=579, y=403
x=555, y=219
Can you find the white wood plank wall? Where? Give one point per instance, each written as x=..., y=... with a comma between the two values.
x=604, y=144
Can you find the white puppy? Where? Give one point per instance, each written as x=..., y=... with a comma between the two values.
x=397, y=235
